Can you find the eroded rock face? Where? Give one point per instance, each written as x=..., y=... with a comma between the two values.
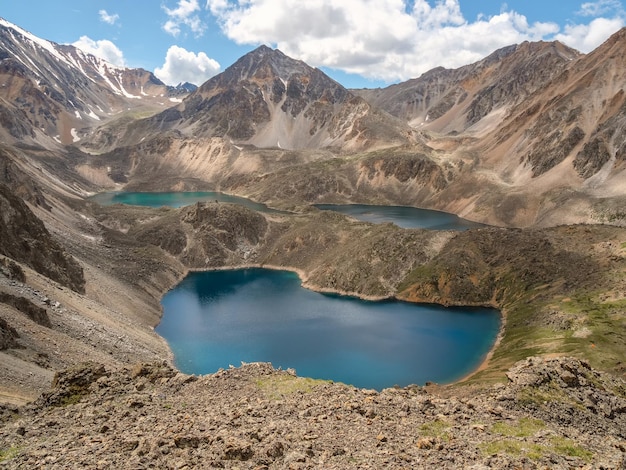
x=32, y=311
x=24, y=238
x=8, y=335
x=554, y=413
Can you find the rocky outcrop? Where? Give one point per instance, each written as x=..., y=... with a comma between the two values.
x=32, y=311
x=259, y=417
x=405, y=166
x=206, y=234
x=8, y=335
x=24, y=238
x=493, y=266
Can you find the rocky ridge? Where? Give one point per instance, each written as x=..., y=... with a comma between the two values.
x=452, y=101
x=269, y=100
x=557, y=413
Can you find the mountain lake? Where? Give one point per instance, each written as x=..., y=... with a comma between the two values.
x=402, y=216
x=215, y=319
x=175, y=199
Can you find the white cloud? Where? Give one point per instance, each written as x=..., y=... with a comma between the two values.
x=388, y=39
x=110, y=19
x=586, y=37
x=184, y=66
x=600, y=7
x=184, y=15
x=103, y=48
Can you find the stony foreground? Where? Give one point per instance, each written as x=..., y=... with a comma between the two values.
x=556, y=413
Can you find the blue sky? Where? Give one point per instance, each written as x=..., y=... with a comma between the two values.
x=360, y=43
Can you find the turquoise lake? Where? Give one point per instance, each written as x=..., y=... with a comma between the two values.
x=219, y=318
x=175, y=199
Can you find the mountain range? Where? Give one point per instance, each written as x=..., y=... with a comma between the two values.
x=531, y=135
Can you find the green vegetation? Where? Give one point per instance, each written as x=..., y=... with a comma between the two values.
x=524, y=429
x=563, y=446
x=70, y=400
x=8, y=454
x=605, y=322
x=515, y=448
x=276, y=387
x=551, y=393
x=438, y=428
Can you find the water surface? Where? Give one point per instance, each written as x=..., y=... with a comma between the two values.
x=175, y=199
x=219, y=318
x=405, y=217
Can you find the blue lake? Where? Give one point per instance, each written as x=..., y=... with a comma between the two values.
x=219, y=318
x=405, y=217
x=174, y=199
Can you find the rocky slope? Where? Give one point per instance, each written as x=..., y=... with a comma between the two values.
x=24, y=238
x=453, y=101
x=557, y=413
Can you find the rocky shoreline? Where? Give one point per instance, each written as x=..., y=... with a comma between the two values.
x=553, y=413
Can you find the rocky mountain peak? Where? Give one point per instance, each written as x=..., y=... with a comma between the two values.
x=268, y=99
x=264, y=64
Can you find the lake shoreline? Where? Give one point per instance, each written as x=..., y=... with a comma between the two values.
x=303, y=277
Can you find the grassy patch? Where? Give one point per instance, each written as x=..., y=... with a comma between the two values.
x=8, y=454
x=563, y=446
x=515, y=441
x=70, y=400
x=278, y=386
x=604, y=347
x=514, y=448
x=551, y=393
x=525, y=427
x=438, y=428
x=521, y=447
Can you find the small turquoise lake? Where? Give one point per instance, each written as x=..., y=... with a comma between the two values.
x=219, y=318
x=175, y=199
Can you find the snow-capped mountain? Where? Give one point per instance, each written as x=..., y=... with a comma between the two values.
x=53, y=90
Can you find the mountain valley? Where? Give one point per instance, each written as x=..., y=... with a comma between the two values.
x=530, y=140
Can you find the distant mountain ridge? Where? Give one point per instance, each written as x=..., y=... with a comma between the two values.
x=531, y=134
x=453, y=100
x=52, y=90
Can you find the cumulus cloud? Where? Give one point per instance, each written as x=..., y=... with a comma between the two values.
x=586, y=37
x=107, y=18
x=103, y=48
x=185, y=14
x=391, y=39
x=184, y=66
x=601, y=7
